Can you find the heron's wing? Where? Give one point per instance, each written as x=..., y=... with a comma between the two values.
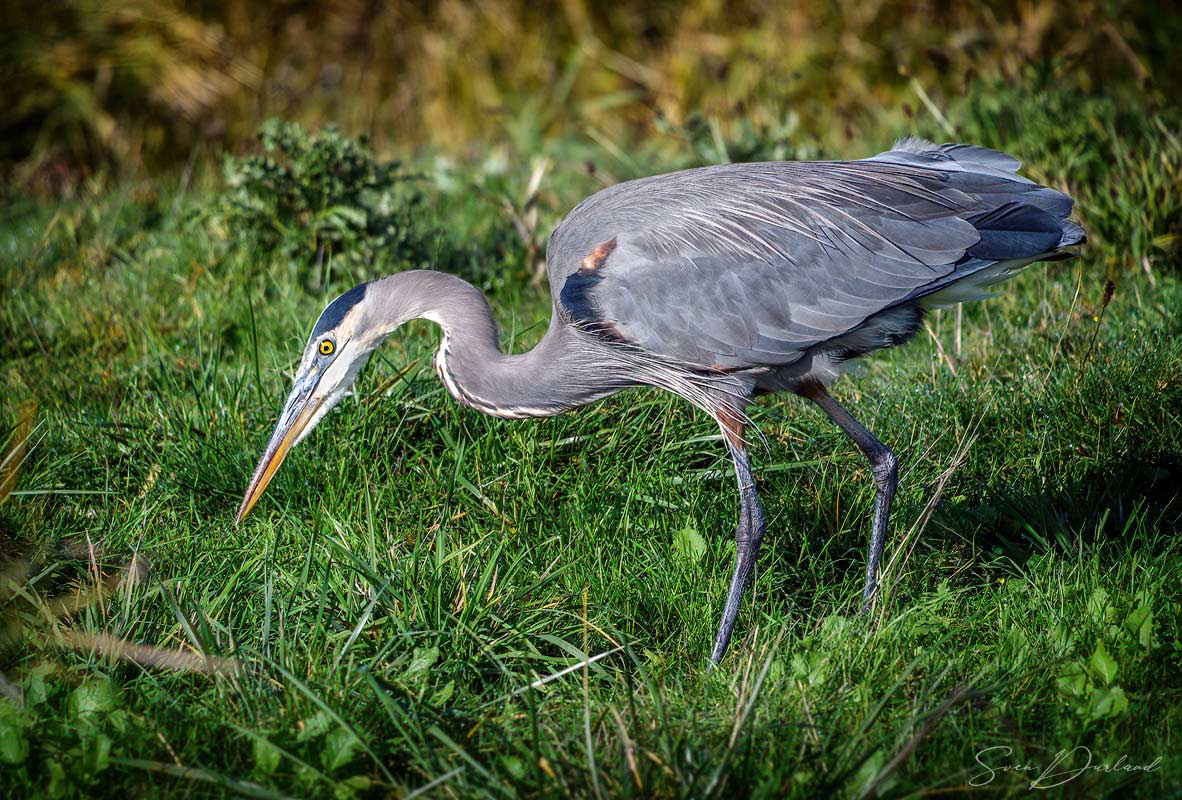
x=752, y=264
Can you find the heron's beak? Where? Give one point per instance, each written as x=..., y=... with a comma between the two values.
x=301, y=407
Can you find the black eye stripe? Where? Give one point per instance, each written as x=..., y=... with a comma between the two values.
x=334, y=314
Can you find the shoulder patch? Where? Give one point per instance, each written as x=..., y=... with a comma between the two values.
x=577, y=293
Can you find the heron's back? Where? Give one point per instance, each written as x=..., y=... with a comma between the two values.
x=755, y=265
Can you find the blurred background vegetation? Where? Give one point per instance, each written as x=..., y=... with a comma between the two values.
x=118, y=87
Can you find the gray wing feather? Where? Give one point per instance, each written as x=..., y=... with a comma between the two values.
x=962, y=157
x=752, y=264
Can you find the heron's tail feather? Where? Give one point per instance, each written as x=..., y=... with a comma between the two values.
x=1013, y=236
x=974, y=284
x=1073, y=233
x=1021, y=222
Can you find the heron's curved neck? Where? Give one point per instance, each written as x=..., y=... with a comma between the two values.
x=556, y=375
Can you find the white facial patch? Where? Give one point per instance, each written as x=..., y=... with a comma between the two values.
x=338, y=370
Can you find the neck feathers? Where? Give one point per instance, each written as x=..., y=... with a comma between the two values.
x=555, y=376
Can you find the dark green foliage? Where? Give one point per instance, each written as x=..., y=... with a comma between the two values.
x=313, y=198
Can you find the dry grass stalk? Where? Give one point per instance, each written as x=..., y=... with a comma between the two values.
x=16, y=448
x=889, y=577
x=147, y=656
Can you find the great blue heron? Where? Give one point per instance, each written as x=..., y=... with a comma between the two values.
x=718, y=284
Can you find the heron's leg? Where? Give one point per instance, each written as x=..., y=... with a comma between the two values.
x=886, y=474
x=748, y=537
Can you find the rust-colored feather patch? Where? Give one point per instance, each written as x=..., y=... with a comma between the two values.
x=733, y=425
x=577, y=297
x=597, y=257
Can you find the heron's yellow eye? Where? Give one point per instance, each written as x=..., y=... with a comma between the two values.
x=327, y=347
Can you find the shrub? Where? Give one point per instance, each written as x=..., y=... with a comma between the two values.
x=316, y=198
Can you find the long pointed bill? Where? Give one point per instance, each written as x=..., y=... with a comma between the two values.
x=299, y=410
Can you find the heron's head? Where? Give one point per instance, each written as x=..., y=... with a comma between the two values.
x=338, y=348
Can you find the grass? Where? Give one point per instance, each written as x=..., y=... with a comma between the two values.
x=430, y=602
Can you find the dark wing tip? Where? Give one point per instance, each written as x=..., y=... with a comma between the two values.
x=1020, y=230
